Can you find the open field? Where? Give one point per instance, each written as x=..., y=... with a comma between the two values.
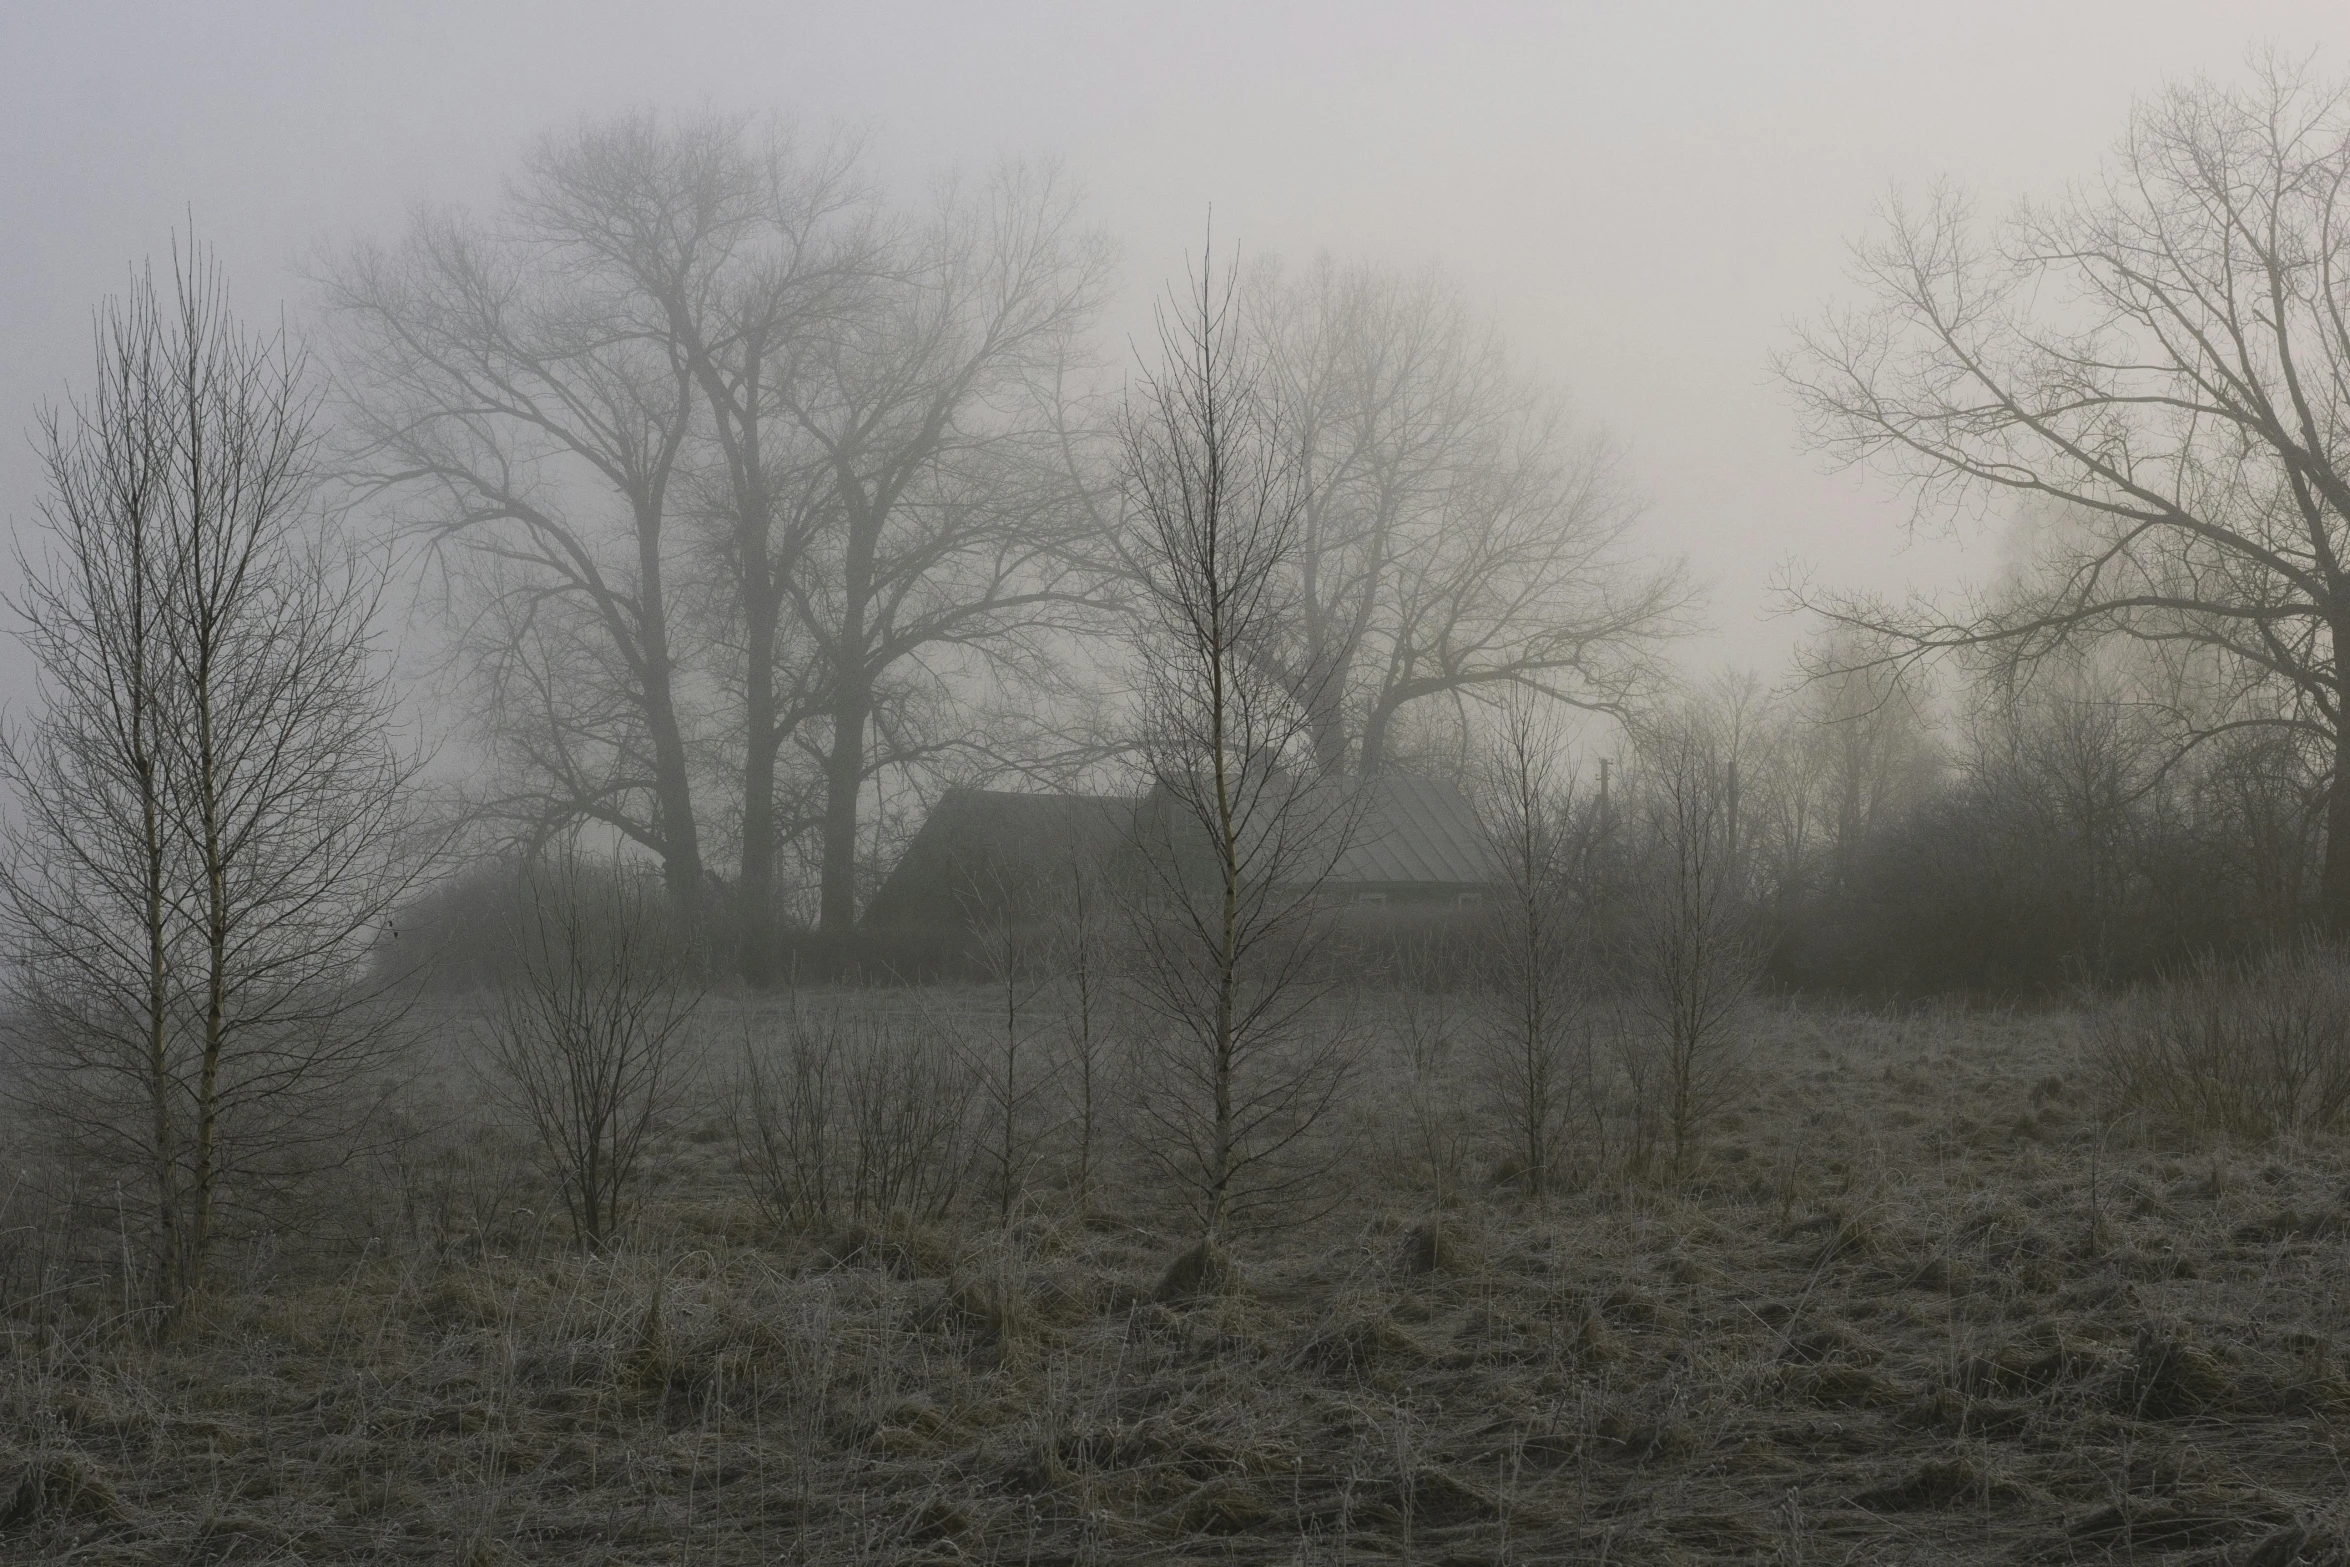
x=1916, y=1304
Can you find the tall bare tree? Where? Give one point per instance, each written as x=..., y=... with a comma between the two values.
x=214, y=822
x=1460, y=539
x=931, y=408
x=1235, y=842
x=1692, y=962
x=2164, y=353
x=792, y=260
x=744, y=471
x=1535, y=1033
x=529, y=403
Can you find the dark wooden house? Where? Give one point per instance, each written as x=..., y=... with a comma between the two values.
x=989, y=855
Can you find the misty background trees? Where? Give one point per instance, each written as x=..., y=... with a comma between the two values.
x=1460, y=539
x=2156, y=363
x=743, y=506
x=761, y=503
x=743, y=484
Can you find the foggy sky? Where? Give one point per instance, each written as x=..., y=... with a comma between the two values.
x=1643, y=195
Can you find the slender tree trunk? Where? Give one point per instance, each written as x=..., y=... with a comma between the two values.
x=2333, y=887
x=154, y=911
x=216, y=934
x=1374, y=755
x=852, y=711
x=755, y=887
x=735, y=415
x=1228, y=932
x=681, y=860
x=844, y=782
x=755, y=915
x=163, y=1133
x=1083, y=963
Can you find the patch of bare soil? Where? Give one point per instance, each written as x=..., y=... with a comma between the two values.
x=1917, y=1305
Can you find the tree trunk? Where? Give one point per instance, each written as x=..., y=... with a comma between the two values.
x=681, y=861
x=2333, y=887
x=1375, y=723
x=734, y=411
x=755, y=886
x=216, y=936
x=673, y=806
x=1328, y=723
x=156, y=913
x=844, y=782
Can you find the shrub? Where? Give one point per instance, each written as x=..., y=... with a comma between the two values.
x=849, y=1118
x=2250, y=1050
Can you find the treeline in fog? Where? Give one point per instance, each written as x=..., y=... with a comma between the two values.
x=757, y=507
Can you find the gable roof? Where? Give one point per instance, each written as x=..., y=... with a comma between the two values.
x=998, y=852
x=1002, y=854
x=1399, y=833
x=1414, y=830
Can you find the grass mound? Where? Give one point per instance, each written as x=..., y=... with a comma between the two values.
x=1200, y=1272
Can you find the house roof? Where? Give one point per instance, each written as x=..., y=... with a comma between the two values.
x=997, y=851
x=1411, y=829
x=1397, y=832
x=1004, y=854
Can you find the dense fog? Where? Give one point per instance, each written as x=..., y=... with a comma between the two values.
x=1322, y=784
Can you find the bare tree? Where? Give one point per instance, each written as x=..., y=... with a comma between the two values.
x=214, y=821
x=1082, y=956
x=585, y=1044
x=1536, y=1035
x=1013, y=1083
x=931, y=408
x=1234, y=843
x=1459, y=540
x=1692, y=962
x=527, y=406
x=745, y=476
x=2161, y=354
x=2071, y=764
x=798, y=255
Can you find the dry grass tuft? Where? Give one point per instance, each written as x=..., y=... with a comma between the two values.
x=2171, y=1377
x=1942, y=1483
x=1433, y=1246
x=1198, y=1272
x=56, y=1490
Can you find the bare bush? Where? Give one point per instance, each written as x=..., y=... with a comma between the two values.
x=2252, y=1051
x=1434, y=1128
x=844, y=1118
x=1087, y=1061
x=1535, y=1035
x=1013, y=1082
x=1692, y=960
x=583, y=1047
